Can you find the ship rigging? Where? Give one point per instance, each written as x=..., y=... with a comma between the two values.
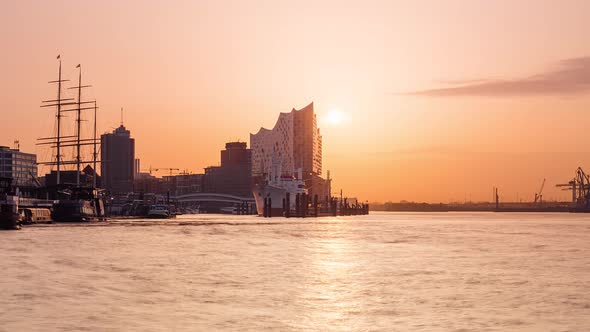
x=60, y=141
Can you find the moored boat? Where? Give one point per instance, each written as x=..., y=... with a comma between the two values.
x=80, y=205
x=160, y=211
x=35, y=215
x=276, y=189
x=9, y=216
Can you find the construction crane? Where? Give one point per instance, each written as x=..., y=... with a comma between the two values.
x=539, y=195
x=164, y=169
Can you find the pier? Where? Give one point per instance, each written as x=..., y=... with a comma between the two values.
x=307, y=207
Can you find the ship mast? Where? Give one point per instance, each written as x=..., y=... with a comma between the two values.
x=94, y=152
x=59, y=103
x=78, y=123
x=78, y=120
x=58, y=141
x=58, y=144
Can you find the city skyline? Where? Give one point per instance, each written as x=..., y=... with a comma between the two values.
x=407, y=111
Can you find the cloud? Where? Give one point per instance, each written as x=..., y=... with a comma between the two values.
x=571, y=76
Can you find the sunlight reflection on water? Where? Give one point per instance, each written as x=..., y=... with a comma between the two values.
x=385, y=271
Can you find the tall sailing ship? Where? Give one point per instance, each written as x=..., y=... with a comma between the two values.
x=73, y=201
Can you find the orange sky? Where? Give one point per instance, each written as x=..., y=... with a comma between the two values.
x=192, y=75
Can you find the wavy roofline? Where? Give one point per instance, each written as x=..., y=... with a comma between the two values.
x=263, y=129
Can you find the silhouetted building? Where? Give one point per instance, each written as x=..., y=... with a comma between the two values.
x=184, y=184
x=117, y=160
x=19, y=166
x=146, y=183
x=181, y=184
x=234, y=175
x=69, y=178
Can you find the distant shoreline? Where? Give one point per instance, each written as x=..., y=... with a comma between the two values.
x=473, y=207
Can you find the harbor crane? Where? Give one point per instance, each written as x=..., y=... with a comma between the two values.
x=539, y=195
x=583, y=188
x=571, y=185
x=580, y=187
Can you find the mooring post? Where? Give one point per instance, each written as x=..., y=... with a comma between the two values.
x=288, y=204
x=315, y=205
x=305, y=205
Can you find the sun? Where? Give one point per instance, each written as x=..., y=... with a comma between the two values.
x=334, y=117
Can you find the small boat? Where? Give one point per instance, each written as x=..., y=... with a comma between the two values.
x=35, y=215
x=229, y=210
x=9, y=216
x=160, y=211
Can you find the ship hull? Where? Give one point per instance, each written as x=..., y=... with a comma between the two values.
x=9, y=220
x=74, y=211
x=159, y=216
x=277, y=195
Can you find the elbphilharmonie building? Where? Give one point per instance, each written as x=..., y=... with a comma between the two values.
x=295, y=143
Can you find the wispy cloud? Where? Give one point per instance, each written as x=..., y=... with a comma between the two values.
x=571, y=76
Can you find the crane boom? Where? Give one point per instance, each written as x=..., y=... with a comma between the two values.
x=539, y=195
x=542, y=186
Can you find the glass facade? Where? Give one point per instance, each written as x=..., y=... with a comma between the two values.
x=19, y=166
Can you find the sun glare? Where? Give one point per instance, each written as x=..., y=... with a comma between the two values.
x=334, y=117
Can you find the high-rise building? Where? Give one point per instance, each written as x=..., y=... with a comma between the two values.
x=234, y=175
x=117, y=160
x=294, y=143
x=21, y=167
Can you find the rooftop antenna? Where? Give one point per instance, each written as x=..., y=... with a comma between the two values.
x=121, y=116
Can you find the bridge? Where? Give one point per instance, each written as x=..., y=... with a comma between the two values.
x=212, y=198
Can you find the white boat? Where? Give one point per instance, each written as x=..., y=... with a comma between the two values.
x=159, y=211
x=276, y=188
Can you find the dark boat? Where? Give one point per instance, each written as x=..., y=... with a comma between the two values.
x=9, y=216
x=80, y=204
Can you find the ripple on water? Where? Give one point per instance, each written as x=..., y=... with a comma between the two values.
x=406, y=272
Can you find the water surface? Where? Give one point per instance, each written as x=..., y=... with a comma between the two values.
x=382, y=272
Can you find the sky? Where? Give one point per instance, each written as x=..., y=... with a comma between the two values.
x=431, y=101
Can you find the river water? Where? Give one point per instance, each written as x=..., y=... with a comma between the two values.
x=381, y=272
